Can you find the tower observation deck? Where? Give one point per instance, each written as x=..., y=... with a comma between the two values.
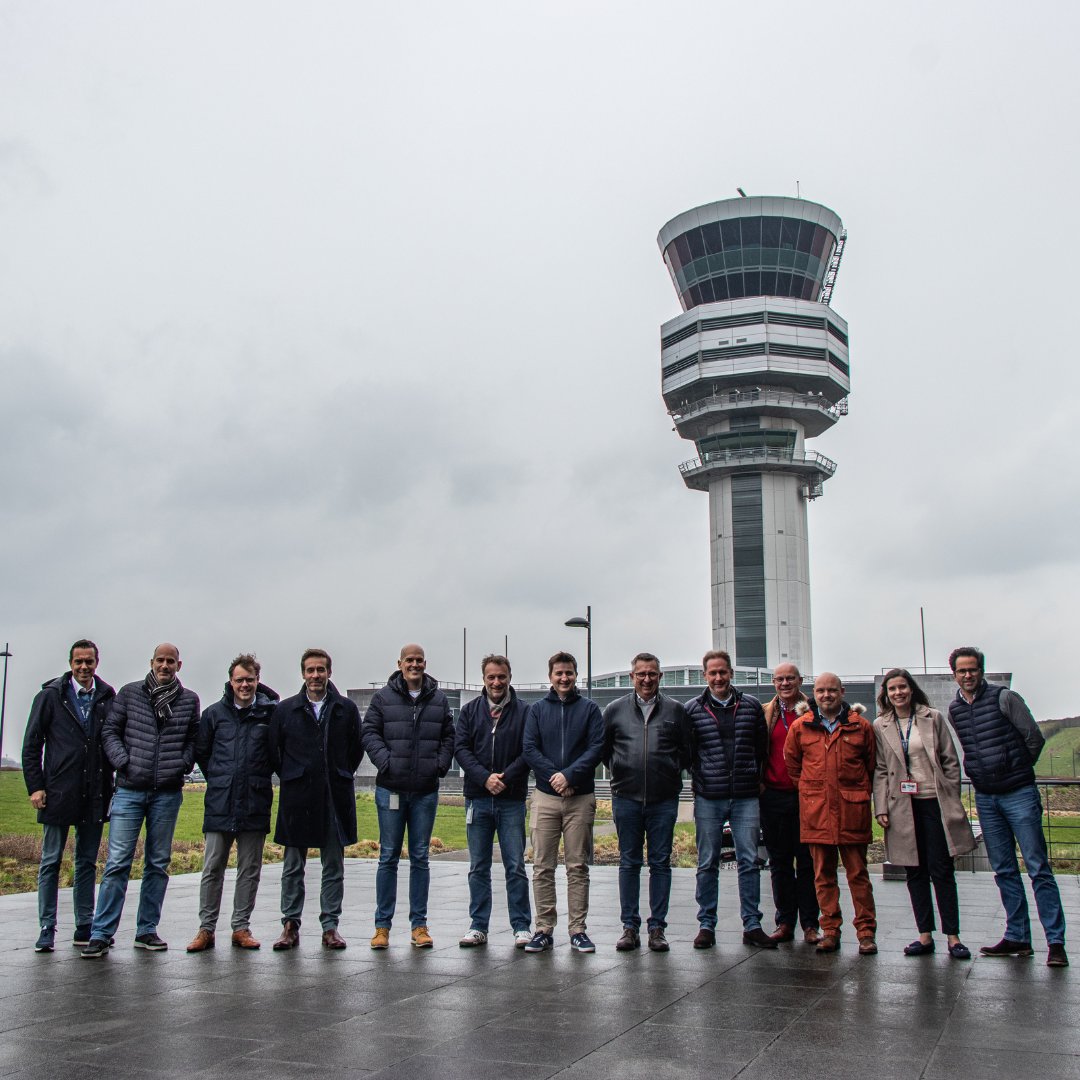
x=756, y=365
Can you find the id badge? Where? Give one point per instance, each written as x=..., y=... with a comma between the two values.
x=394, y=802
x=909, y=787
x=469, y=815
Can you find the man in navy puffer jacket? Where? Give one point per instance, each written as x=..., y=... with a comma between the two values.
x=149, y=736
x=564, y=741
x=408, y=733
x=233, y=751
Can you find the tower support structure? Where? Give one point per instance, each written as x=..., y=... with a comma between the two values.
x=755, y=365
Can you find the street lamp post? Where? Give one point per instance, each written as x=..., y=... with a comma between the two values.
x=586, y=624
x=3, y=695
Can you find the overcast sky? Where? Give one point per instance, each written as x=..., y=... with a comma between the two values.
x=338, y=324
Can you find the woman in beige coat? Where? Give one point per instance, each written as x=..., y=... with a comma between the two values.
x=917, y=799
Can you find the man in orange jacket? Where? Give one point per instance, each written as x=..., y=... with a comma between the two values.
x=830, y=753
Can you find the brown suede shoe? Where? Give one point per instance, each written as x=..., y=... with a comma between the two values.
x=867, y=946
x=784, y=932
x=705, y=939
x=290, y=936
x=811, y=935
x=242, y=939
x=202, y=941
x=331, y=939
x=828, y=943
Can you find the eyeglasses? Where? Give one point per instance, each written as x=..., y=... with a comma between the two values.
x=785, y=678
x=967, y=671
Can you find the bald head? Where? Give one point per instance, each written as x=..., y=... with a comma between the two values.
x=829, y=694
x=412, y=663
x=165, y=663
x=787, y=680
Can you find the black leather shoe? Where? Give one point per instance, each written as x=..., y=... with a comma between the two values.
x=758, y=938
x=1008, y=947
x=705, y=939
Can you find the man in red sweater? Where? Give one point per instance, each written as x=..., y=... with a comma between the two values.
x=790, y=864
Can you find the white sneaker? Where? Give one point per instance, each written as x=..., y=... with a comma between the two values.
x=472, y=939
x=522, y=938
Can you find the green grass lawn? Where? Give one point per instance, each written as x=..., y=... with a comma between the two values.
x=1061, y=755
x=20, y=835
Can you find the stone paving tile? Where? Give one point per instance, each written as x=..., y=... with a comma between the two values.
x=450, y=1012
x=948, y=1062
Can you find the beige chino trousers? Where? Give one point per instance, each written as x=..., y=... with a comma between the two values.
x=571, y=820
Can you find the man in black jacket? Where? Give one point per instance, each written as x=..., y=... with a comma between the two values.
x=149, y=736
x=233, y=751
x=646, y=747
x=729, y=745
x=72, y=786
x=315, y=748
x=409, y=736
x=487, y=746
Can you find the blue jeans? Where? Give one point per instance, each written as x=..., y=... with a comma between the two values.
x=636, y=822
x=504, y=818
x=130, y=809
x=743, y=817
x=87, y=842
x=331, y=888
x=1011, y=819
x=417, y=814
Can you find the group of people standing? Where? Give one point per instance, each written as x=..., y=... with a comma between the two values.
x=800, y=773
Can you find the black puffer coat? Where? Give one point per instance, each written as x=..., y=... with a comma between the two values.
x=715, y=774
x=76, y=775
x=233, y=751
x=316, y=763
x=411, y=743
x=149, y=756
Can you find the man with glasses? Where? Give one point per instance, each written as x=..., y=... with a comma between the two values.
x=791, y=866
x=1001, y=743
x=646, y=747
x=233, y=751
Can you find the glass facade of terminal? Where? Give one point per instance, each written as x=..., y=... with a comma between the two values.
x=750, y=256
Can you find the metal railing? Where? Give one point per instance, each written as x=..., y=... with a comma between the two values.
x=734, y=399
x=1060, y=821
x=758, y=455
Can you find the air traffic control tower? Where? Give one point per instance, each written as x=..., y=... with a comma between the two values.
x=756, y=365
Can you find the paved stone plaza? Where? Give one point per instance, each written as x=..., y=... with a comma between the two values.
x=498, y=1013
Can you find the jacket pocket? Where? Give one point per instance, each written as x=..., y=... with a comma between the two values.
x=813, y=807
x=855, y=812
x=290, y=771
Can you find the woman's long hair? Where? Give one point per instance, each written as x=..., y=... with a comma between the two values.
x=918, y=695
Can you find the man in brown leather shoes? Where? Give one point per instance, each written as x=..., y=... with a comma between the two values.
x=830, y=753
x=232, y=749
x=315, y=746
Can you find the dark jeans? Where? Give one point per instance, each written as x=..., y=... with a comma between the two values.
x=637, y=823
x=87, y=843
x=935, y=865
x=791, y=866
x=504, y=818
x=416, y=815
